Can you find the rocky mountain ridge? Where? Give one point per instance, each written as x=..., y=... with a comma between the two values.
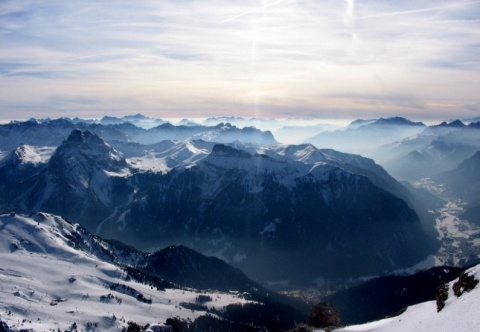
x=252, y=210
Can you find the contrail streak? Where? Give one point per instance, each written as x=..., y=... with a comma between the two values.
x=379, y=15
x=414, y=11
x=252, y=11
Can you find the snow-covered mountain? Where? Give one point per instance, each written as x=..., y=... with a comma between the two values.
x=459, y=311
x=83, y=179
x=163, y=156
x=309, y=154
x=51, y=132
x=27, y=156
x=245, y=207
x=221, y=133
x=56, y=275
x=289, y=214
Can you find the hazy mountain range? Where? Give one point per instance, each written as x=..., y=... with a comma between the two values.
x=282, y=203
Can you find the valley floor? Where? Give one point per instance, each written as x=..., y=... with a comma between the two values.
x=460, y=239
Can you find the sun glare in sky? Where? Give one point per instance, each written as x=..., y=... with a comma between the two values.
x=284, y=58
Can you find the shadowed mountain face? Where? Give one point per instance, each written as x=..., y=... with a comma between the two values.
x=329, y=224
x=82, y=180
x=187, y=267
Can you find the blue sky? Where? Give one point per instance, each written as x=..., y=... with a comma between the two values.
x=284, y=58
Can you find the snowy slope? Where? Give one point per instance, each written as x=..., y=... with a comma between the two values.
x=460, y=314
x=305, y=153
x=28, y=154
x=164, y=156
x=45, y=283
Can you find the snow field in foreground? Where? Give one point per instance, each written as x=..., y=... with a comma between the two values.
x=45, y=284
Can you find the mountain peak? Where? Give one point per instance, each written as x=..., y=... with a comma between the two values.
x=88, y=148
x=84, y=137
x=224, y=125
x=137, y=116
x=76, y=136
x=396, y=121
x=360, y=122
x=453, y=124
x=106, y=120
x=456, y=123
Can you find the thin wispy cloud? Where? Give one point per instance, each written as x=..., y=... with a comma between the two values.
x=246, y=57
x=253, y=10
x=420, y=10
x=349, y=18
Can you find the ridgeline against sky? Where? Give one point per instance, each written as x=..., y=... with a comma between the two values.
x=284, y=58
